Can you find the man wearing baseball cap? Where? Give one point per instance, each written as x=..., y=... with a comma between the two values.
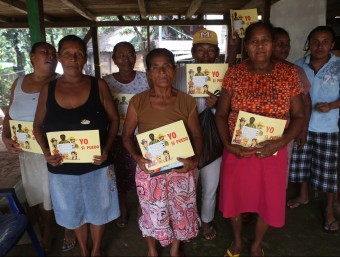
x=205, y=50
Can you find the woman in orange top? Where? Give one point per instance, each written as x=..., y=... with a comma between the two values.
x=265, y=87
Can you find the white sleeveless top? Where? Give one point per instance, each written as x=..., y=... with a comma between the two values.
x=24, y=104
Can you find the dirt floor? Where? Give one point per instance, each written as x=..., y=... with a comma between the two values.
x=301, y=236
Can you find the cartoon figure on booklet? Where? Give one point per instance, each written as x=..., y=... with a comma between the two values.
x=74, y=155
x=253, y=142
x=191, y=74
x=242, y=122
x=63, y=139
x=259, y=126
x=206, y=73
x=54, y=145
x=27, y=145
x=124, y=101
x=20, y=128
x=251, y=123
x=199, y=72
x=161, y=138
x=166, y=155
x=237, y=139
x=73, y=141
x=153, y=140
x=145, y=145
x=14, y=130
x=205, y=89
x=26, y=130
x=191, y=90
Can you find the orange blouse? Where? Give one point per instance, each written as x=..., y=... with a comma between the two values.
x=263, y=94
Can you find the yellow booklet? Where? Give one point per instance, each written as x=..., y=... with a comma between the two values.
x=22, y=133
x=77, y=146
x=122, y=102
x=163, y=145
x=205, y=77
x=251, y=129
x=241, y=19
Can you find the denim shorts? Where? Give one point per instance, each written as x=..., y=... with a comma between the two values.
x=88, y=198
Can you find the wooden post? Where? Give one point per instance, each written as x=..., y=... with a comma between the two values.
x=96, y=59
x=36, y=25
x=148, y=35
x=266, y=12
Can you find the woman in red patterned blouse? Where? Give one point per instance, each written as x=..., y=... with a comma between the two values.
x=254, y=179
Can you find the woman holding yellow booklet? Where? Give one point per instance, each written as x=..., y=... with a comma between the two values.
x=23, y=102
x=168, y=201
x=84, y=195
x=254, y=179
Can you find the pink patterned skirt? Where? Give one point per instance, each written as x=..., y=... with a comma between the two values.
x=168, y=205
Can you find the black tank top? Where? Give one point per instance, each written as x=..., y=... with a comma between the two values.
x=61, y=119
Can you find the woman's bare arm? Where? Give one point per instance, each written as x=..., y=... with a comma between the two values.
x=112, y=115
x=56, y=159
x=11, y=145
x=130, y=125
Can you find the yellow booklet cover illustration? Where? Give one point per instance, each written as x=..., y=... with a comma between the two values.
x=251, y=129
x=122, y=102
x=241, y=19
x=22, y=133
x=205, y=77
x=163, y=145
x=77, y=146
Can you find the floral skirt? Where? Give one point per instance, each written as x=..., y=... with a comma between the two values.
x=168, y=203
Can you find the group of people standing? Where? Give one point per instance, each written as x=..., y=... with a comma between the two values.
x=252, y=180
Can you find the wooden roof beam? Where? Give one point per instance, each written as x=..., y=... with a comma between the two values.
x=142, y=9
x=17, y=5
x=4, y=19
x=79, y=9
x=21, y=7
x=195, y=4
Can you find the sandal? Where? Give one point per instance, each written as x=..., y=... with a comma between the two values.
x=228, y=253
x=295, y=203
x=69, y=243
x=332, y=227
x=210, y=233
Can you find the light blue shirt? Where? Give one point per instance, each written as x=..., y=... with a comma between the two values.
x=325, y=88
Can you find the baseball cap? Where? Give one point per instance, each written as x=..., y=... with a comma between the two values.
x=205, y=36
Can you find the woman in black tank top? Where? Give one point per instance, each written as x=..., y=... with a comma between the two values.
x=78, y=102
